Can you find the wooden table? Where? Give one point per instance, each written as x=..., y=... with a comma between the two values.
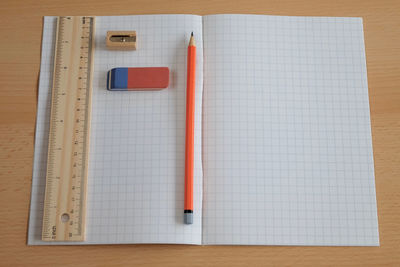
x=21, y=28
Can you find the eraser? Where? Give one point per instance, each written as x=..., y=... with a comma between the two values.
x=137, y=79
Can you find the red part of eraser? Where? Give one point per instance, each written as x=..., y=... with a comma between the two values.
x=148, y=78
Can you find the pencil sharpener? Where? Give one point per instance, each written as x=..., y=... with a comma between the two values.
x=121, y=40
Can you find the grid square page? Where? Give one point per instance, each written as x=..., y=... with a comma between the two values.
x=137, y=142
x=287, y=151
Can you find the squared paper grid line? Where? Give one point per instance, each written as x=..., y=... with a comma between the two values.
x=295, y=85
x=287, y=150
x=136, y=162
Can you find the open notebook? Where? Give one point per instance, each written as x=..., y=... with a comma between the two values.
x=283, y=151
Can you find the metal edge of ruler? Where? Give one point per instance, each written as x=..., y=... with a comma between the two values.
x=64, y=213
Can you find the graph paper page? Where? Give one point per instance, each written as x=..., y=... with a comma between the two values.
x=137, y=142
x=287, y=154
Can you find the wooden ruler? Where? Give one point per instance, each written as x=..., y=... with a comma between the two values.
x=68, y=150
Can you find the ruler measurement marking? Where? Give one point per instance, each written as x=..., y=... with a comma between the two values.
x=65, y=200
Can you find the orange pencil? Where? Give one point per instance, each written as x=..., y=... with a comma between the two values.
x=189, y=148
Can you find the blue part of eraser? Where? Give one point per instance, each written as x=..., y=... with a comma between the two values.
x=117, y=79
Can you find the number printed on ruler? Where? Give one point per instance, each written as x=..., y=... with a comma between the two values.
x=68, y=149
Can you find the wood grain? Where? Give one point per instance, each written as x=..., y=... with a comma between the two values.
x=21, y=28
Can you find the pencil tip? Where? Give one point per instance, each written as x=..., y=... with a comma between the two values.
x=192, y=33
